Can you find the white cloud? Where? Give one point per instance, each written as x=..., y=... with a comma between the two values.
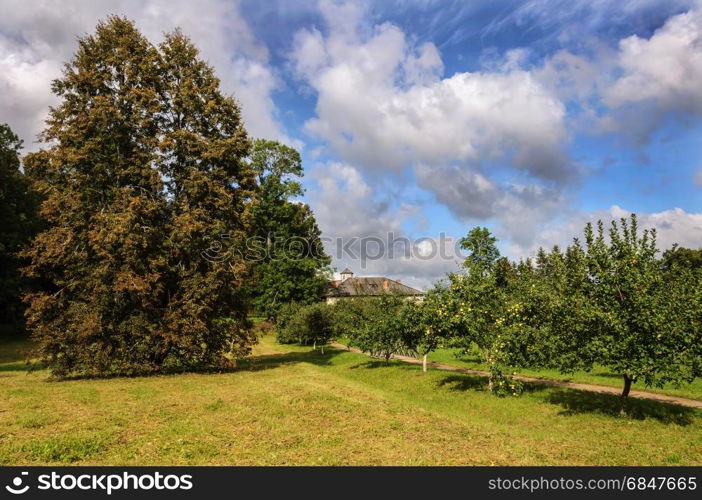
x=672, y=226
x=36, y=38
x=382, y=105
x=658, y=77
x=633, y=88
x=666, y=67
x=24, y=91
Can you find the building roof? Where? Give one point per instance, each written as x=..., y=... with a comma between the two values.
x=347, y=271
x=364, y=287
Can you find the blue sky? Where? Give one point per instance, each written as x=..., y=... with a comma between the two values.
x=424, y=118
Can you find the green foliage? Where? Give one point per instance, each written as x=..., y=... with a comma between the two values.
x=613, y=303
x=483, y=251
x=286, y=313
x=682, y=257
x=306, y=324
x=646, y=327
x=381, y=326
x=478, y=308
x=146, y=169
x=18, y=223
x=503, y=385
x=291, y=265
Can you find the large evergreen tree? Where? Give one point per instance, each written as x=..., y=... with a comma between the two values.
x=144, y=169
x=209, y=186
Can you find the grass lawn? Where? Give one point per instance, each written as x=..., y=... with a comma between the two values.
x=599, y=375
x=290, y=405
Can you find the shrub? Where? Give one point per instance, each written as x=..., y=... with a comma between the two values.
x=311, y=324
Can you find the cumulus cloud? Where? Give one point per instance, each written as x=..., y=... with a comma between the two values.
x=467, y=193
x=659, y=76
x=36, y=38
x=633, y=88
x=666, y=67
x=382, y=105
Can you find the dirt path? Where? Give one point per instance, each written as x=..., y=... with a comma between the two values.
x=664, y=398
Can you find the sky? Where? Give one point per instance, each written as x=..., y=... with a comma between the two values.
x=418, y=120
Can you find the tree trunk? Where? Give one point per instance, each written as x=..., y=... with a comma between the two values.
x=314, y=346
x=424, y=363
x=625, y=395
x=322, y=348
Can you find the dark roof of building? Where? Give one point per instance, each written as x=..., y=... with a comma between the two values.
x=347, y=271
x=363, y=287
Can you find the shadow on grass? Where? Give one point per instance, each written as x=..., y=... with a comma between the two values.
x=13, y=358
x=15, y=354
x=373, y=364
x=18, y=366
x=576, y=402
x=464, y=383
x=253, y=363
x=468, y=382
x=268, y=361
x=15, y=349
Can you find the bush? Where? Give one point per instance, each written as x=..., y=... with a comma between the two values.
x=286, y=314
x=313, y=324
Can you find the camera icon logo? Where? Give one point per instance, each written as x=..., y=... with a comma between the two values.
x=17, y=483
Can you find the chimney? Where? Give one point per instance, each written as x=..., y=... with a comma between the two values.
x=385, y=284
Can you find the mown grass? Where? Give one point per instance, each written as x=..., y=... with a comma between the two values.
x=290, y=405
x=599, y=375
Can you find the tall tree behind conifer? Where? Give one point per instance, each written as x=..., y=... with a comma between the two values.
x=18, y=223
x=291, y=265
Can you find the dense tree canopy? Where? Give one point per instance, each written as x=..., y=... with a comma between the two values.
x=18, y=223
x=648, y=327
x=312, y=324
x=290, y=262
x=682, y=257
x=146, y=167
